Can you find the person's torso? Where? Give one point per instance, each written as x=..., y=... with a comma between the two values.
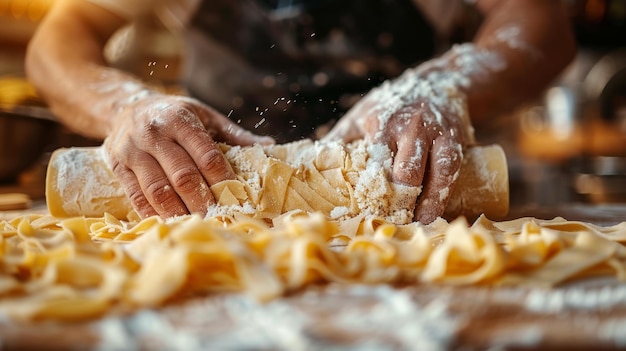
x=283, y=67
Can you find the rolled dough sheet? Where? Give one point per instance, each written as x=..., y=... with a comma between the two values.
x=80, y=183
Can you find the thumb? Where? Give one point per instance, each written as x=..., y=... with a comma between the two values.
x=344, y=130
x=236, y=135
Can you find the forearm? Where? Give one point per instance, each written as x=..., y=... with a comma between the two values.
x=521, y=47
x=65, y=63
x=535, y=41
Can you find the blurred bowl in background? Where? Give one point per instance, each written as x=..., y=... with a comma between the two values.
x=27, y=127
x=25, y=132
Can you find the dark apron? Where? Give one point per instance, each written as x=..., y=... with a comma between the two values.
x=284, y=67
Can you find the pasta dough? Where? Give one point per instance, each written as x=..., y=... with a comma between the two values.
x=340, y=181
x=78, y=183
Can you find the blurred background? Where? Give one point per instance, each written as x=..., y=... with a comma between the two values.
x=568, y=146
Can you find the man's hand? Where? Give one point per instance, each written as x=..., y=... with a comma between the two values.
x=424, y=123
x=162, y=149
x=423, y=116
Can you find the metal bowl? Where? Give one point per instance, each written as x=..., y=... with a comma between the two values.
x=25, y=132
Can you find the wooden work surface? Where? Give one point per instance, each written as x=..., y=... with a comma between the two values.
x=583, y=315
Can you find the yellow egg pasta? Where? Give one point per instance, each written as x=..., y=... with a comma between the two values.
x=78, y=268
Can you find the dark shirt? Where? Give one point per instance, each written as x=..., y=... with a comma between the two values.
x=284, y=67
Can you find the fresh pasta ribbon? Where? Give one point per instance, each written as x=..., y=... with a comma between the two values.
x=85, y=267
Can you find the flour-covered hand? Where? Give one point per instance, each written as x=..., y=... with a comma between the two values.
x=162, y=149
x=423, y=119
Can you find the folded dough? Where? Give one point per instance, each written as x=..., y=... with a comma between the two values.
x=342, y=181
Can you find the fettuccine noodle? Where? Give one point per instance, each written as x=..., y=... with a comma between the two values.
x=85, y=267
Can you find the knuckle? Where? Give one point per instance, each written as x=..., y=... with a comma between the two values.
x=160, y=192
x=408, y=168
x=186, y=179
x=448, y=162
x=147, y=135
x=408, y=172
x=452, y=151
x=212, y=158
x=139, y=201
x=182, y=114
x=113, y=154
x=116, y=166
x=185, y=111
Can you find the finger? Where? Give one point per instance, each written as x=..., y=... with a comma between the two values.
x=133, y=191
x=185, y=177
x=200, y=146
x=443, y=170
x=230, y=132
x=155, y=186
x=347, y=129
x=409, y=164
x=344, y=130
x=233, y=134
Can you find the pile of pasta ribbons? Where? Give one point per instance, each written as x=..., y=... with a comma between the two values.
x=78, y=268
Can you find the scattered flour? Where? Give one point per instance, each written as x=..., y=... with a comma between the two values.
x=365, y=167
x=377, y=318
x=576, y=299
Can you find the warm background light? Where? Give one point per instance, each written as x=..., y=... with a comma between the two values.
x=19, y=18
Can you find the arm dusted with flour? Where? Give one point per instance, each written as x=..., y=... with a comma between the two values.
x=161, y=147
x=424, y=115
x=533, y=39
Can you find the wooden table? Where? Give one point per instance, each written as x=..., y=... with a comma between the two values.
x=583, y=315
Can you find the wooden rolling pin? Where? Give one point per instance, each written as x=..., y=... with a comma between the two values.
x=79, y=183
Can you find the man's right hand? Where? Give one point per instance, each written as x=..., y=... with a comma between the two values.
x=162, y=149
